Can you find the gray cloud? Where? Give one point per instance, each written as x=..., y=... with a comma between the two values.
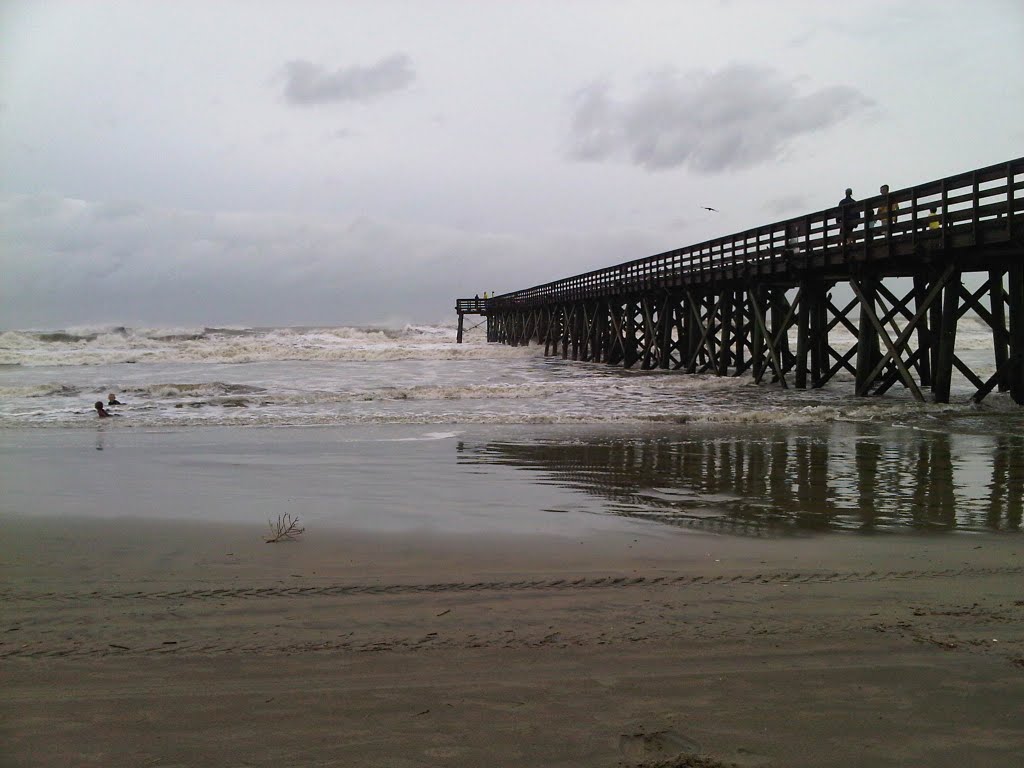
x=307, y=83
x=779, y=206
x=737, y=117
x=68, y=261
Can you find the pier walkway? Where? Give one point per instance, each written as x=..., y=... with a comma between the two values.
x=741, y=303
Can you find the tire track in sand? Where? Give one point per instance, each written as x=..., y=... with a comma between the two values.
x=603, y=582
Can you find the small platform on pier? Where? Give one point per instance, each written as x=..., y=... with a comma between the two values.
x=474, y=306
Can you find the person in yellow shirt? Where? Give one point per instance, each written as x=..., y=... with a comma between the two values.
x=887, y=212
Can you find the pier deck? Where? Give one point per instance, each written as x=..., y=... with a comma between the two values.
x=739, y=303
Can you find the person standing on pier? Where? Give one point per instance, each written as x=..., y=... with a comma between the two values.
x=886, y=212
x=848, y=217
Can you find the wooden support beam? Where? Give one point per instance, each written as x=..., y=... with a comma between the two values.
x=741, y=326
x=968, y=374
x=1015, y=360
x=817, y=335
x=601, y=331
x=569, y=331
x=841, y=316
x=843, y=362
x=725, y=303
x=867, y=336
x=704, y=331
x=782, y=314
x=666, y=316
x=691, y=319
x=867, y=308
x=1000, y=334
x=757, y=339
x=458, y=334
x=629, y=337
x=947, y=338
x=649, y=339
x=802, y=339
x=616, y=350
x=893, y=374
x=924, y=336
x=773, y=354
x=894, y=348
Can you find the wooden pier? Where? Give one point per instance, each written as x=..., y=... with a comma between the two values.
x=761, y=301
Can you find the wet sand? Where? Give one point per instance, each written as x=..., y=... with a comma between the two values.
x=143, y=642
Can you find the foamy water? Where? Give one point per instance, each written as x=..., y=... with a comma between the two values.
x=414, y=375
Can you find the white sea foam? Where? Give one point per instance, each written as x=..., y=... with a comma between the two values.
x=111, y=346
x=414, y=375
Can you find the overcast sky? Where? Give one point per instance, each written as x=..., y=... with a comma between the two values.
x=289, y=163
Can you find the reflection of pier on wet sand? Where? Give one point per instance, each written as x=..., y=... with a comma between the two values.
x=757, y=483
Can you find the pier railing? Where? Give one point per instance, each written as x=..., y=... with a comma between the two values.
x=471, y=306
x=976, y=208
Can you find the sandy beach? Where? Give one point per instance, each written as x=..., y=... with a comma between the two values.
x=166, y=643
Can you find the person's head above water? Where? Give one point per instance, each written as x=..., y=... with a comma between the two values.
x=100, y=410
x=112, y=399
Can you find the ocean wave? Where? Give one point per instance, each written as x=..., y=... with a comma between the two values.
x=40, y=390
x=117, y=345
x=226, y=410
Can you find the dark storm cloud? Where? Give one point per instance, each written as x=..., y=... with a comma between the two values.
x=737, y=117
x=307, y=83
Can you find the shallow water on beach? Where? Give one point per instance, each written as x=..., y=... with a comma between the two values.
x=558, y=480
x=401, y=430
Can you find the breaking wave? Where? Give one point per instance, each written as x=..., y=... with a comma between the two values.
x=116, y=345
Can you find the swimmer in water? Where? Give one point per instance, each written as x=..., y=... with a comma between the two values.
x=101, y=411
x=112, y=400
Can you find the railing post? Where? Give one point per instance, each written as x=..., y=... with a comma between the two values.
x=975, y=204
x=1009, y=201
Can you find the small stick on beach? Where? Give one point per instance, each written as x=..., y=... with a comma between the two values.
x=285, y=528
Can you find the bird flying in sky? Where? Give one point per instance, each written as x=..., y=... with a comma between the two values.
x=706, y=208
